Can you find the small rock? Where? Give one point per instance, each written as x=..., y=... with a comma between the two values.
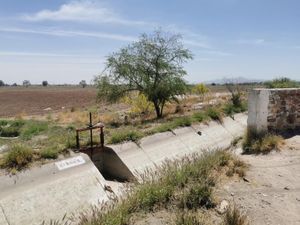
x=4, y=148
x=246, y=180
x=48, y=109
x=222, y=208
x=232, y=194
x=287, y=188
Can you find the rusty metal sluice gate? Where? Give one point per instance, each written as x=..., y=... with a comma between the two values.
x=90, y=128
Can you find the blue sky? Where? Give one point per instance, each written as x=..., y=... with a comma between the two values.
x=67, y=41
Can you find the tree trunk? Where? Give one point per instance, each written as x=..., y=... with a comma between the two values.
x=157, y=110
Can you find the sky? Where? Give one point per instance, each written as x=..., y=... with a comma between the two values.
x=65, y=41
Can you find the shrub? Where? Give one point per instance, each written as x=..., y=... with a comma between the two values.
x=70, y=140
x=32, y=128
x=9, y=131
x=200, y=89
x=139, y=104
x=50, y=152
x=230, y=109
x=10, y=128
x=261, y=143
x=18, y=157
x=214, y=113
x=234, y=217
x=3, y=122
x=147, y=196
x=120, y=136
x=199, y=195
x=282, y=82
x=200, y=116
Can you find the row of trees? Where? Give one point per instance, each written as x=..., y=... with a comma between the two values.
x=27, y=83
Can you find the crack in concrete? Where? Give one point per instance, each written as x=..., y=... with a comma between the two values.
x=2, y=209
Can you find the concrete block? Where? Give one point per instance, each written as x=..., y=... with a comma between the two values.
x=258, y=101
x=162, y=146
x=136, y=160
x=46, y=193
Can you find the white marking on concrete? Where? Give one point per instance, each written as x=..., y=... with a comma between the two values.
x=68, y=163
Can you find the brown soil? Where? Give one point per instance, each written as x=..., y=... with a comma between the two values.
x=42, y=100
x=271, y=192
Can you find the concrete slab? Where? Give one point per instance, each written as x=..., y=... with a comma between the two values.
x=133, y=157
x=163, y=146
x=194, y=141
x=3, y=220
x=233, y=127
x=241, y=118
x=216, y=132
x=46, y=193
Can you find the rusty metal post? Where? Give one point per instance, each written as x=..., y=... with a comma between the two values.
x=91, y=134
x=101, y=137
x=77, y=140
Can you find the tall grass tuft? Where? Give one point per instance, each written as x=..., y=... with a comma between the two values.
x=261, y=143
x=234, y=217
x=120, y=136
x=18, y=157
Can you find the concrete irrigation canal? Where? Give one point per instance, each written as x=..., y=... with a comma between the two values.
x=72, y=185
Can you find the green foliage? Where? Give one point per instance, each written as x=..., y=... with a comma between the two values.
x=261, y=143
x=152, y=66
x=18, y=157
x=124, y=135
x=9, y=131
x=214, y=113
x=10, y=128
x=171, y=125
x=200, y=89
x=51, y=152
x=147, y=196
x=199, y=195
x=200, y=116
x=139, y=104
x=282, y=82
x=32, y=128
x=230, y=109
x=3, y=122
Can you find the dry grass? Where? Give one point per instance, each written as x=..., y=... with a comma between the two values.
x=261, y=143
x=18, y=157
x=184, y=185
x=234, y=217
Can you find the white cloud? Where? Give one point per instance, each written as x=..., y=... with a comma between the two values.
x=66, y=33
x=81, y=11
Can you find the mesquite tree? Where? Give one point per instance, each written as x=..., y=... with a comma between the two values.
x=153, y=66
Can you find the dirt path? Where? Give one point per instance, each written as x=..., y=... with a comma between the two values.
x=272, y=195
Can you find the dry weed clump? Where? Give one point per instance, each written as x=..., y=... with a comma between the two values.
x=18, y=157
x=261, y=143
x=234, y=216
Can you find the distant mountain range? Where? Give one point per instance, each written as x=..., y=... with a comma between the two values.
x=233, y=80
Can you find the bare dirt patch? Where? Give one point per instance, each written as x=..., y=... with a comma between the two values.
x=270, y=194
x=42, y=100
